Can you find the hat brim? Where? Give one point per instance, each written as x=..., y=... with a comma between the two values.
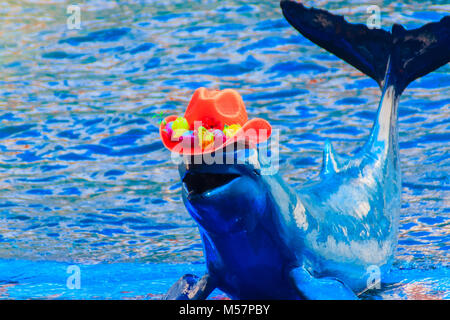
x=252, y=132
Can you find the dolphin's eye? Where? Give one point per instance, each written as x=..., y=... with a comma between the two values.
x=202, y=182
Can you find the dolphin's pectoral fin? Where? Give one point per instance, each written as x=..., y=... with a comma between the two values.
x=330, y=163
x=190, y=287
x=320, y=288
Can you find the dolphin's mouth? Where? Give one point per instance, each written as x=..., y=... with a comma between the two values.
x=199, y=183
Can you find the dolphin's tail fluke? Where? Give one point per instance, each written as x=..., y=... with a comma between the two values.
x=412, y=53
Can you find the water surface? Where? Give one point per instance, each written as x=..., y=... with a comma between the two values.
x=86, y=181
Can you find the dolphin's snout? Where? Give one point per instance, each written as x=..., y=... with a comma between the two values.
x=199, y=182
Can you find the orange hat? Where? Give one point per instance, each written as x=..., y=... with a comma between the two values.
x=219, y=107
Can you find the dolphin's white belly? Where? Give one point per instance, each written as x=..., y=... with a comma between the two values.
x=346, y=226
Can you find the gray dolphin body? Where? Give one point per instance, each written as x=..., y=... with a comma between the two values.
x=263, y=240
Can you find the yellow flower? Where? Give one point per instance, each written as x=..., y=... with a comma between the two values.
x=178, y=133
x=204, y=137
x=180, y=123
x=231, y=130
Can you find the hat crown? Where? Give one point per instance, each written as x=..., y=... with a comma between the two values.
x=225, y=106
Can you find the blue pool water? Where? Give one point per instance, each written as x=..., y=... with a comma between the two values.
x=86, y=181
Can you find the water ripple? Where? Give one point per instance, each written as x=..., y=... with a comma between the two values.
x=84, y=176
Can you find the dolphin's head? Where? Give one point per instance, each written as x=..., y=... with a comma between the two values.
x=227, y=196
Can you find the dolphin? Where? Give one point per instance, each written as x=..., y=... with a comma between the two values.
x=326, y=239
